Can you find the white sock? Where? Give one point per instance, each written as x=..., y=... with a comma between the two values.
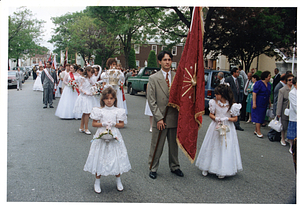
x=119, y=184
x=97, y=187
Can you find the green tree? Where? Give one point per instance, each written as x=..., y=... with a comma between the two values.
x=132, y=59
x=125, y=22
x=24, y=35
x=243, y=34
x=152, y=59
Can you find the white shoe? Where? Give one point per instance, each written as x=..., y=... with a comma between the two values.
x=97, y=187
x=88, y=132
x=221, y=177
x=204, y=173
x=150, y=129
x=119, y=184
x=81, y=130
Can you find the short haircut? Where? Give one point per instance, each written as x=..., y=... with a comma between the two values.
x=256, y=77
x=233, y=70
x=294, y=80
x=221, y=74
x=283, y=77
x=49, y=62
x=276, y=69
x=265, y=74
x=288, y=76
x=162, y=54
x=241, y=67
x=67, y=64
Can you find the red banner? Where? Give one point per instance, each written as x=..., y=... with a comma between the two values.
x=188, y=87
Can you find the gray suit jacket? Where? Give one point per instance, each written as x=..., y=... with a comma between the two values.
x=19, y=75
x=158, y=99
x=237, y=96
x=46, y=81
x=276, y=90
x=283, y=99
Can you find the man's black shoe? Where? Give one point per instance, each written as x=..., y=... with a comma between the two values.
x=152, y=175
x=45, y=106
x=178, y=172
x=51, y=106
x=239, y=128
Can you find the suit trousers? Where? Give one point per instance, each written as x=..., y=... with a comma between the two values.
x=19, y=84
x=243, y=110
x=48, y=95
x=170, y=134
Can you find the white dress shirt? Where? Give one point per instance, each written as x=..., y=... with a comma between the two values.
x=165, y=74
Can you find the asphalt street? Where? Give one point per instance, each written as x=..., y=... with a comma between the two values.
x=46, y=155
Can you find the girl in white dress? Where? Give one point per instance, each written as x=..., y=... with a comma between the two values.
x=38, y=82
x=220, y=152
x=108, y=156
x=86, y=100
x=69, y=96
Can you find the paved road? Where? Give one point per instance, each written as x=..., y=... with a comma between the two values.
x=46, y=155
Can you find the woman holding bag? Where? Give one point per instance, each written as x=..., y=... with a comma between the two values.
x=282, y=104
x=292, y=127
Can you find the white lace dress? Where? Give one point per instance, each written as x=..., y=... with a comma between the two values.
x=38, y=82
x=220, y=155
x=67, y=100
x=85, y=103
x=108, y=158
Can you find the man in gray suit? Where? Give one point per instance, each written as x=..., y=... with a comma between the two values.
x=236, y=86
x=48, y=78
x=158, y=98
x=19, y=77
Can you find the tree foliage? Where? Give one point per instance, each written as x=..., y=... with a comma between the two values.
x=127, y=23
x=132, y=59
x=152, y=59
x=24, y=34
x=243, y=34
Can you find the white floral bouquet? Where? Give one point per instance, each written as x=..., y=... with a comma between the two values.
x=73, y=84
x=97, y=89
x=108, y=134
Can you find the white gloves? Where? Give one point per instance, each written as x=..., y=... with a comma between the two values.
x=108, y=125
x=224, y=119
x=217, y=119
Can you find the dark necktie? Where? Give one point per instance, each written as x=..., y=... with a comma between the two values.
x=167, y=79
x=237, y=85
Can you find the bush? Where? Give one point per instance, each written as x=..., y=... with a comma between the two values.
x=152, y=60
x=131, y=59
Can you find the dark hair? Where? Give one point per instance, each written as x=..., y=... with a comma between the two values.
x=288, y=76
x=283, y=77
x=294, y=80
x=162, y=54
x=233, y=70
x=265, y=75
x=75, y=67
x=276, y=69
x=256, y=77
x=88, y=68
x=67, y=64
x=110, y=61
x=241, y=67
x=226, y=92
x=288, y=72
x=105, y=93
x=49, y=62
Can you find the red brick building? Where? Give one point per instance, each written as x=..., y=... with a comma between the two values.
x=142, y=52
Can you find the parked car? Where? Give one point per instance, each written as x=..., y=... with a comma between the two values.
x=25, y=72
x=12, y=79
x=211, y=81
x=139, y=82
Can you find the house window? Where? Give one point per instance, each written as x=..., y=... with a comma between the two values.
x=174, y=50
x=137, y=62
x=174, y=65
x=164, y=48
x=137, y=48
x=154, y=48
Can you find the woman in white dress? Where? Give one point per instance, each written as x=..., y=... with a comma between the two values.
x=108, y=154
x=69, y=96
x=37, y=86
x=114, y=78
x=86, y=100
x=220, y=152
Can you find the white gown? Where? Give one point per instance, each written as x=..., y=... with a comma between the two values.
x=85, y=103
x=38, y=82
x=218, y=155
x=108, y=158
x=147, y=109
x=67, y=100
x=120, y=103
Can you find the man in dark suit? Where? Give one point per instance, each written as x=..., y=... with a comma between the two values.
x=158, y=98
x=48, y=79
x=236, y=86
x=276, y=78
